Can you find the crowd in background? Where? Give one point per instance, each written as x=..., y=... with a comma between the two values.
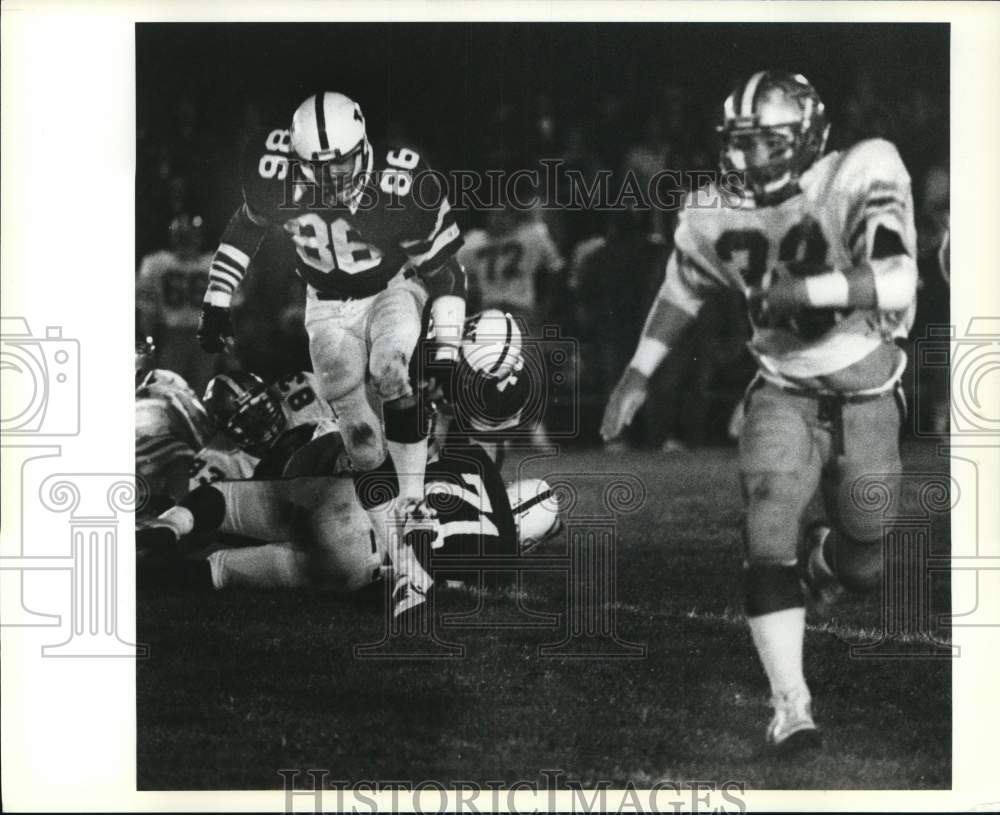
x=594, y=273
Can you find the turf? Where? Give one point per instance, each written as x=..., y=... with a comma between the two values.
x=238, y=685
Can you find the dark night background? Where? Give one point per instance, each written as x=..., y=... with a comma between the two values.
x=502, y=96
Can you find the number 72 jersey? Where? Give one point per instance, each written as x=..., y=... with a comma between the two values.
x=844, y=198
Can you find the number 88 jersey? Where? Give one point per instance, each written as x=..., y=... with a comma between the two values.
x=399, y=214
x=830, y=222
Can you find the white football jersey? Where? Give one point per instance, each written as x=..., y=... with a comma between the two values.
x=170, y=289
x=170, y=424
x=844, y=198
x=508, y=265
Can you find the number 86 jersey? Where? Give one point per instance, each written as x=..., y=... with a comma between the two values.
x=722, y=241
x=399, y=214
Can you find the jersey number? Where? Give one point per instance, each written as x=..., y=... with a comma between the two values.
x=502, y=259
x=296, y=399
x=182, y=288
x=214, y=473
x=804, y=242
x=333, y=247
x=398, y=181
x=473, y=493
x=271, y=165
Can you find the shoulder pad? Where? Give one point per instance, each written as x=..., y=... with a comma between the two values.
x=870, y=164
x=164, y=380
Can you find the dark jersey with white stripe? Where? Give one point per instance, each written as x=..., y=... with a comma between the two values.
x=399, y=215
x=466, y=489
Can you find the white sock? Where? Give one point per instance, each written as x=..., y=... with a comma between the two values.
x=410, y=461
x=778, y=637
x=273, y=566
x=389, y=540
x=178, y=519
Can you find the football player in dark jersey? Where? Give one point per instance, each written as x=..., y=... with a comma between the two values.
x=375, y=239
x=315, y=526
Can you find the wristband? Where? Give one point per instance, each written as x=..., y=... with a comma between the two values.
x=648, y=356
x=829, y=290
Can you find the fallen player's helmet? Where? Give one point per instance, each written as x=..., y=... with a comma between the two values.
x=536, y=511
x=328, y=136
x=243, y=406
x=491, y=343
x=773, y=129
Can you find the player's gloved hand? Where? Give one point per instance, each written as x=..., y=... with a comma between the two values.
x=626, y=399
x=214, y=328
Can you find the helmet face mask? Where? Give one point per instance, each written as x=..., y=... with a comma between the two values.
x=246, y=409
x=774, y=128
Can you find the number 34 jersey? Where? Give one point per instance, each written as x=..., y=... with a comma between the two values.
x=399, y=215
x=222, y=460
x=831, y=222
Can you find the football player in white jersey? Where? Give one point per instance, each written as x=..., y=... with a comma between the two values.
x=375, y=239
x=169, y=291
x=824, y=248
x=170, y=425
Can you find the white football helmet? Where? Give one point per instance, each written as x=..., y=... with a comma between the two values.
x=491, y=343
x=536, y=511
x=773, y=129
x=328, y=135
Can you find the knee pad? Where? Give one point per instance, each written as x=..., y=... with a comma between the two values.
x=771, y=587
x=405, y=420
x=208, y=506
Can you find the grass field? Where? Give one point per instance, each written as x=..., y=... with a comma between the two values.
x=240, y=685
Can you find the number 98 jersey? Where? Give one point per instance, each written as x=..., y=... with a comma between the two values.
x=844, y=198
x=398, y=214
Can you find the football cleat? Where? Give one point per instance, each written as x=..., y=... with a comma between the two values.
x=406, y=596
x=792, y=729
x=822, y=588
x=773, y=129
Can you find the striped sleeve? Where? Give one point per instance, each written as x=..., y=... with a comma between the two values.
x=689, y=271
x=239, y=243
x=876, y=190
x=434, y=235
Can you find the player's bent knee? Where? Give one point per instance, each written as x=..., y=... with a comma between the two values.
x=364, y=446
x=391, y=376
